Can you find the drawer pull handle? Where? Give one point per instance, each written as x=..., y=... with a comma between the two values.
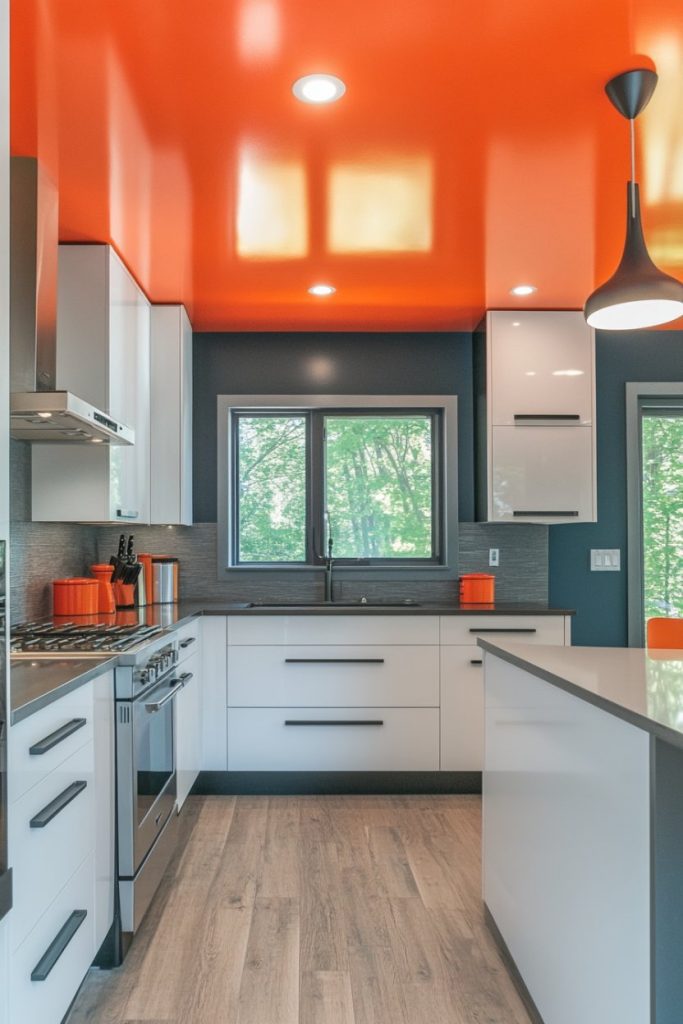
x=334, y=721
x=476, y=661
x=506, y=629
x=58, y=736
x=127, y=513
x=531, y=416
x=545, y=513
x=334, y=661
x=186, y=643
x=62, y=939
x=56, y=806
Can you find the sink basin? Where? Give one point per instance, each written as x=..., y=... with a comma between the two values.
x=335, y=604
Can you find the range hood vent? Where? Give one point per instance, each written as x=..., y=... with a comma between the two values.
x=38, y=411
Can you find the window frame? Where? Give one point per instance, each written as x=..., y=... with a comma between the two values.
x=640, y=397
x=443, y=411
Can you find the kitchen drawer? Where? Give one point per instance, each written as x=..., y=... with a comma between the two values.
x=407, y=739
x=527, y=629
x=188, y=640
x=67, y=714
x=43, y=859
x=342, y=676
x=333, y=629
x=46, y=1002
x=462, y=709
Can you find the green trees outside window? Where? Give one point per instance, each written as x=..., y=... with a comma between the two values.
x=371, y=479
x=662, y=495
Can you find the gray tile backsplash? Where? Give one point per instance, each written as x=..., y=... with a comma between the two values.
x=41, y=552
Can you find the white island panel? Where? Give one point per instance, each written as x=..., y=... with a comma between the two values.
x=566, y=848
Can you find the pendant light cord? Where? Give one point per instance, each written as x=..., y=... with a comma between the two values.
x=632, y=125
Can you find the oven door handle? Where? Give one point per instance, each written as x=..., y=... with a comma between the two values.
x=156, y=705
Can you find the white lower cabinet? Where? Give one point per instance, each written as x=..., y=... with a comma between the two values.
x=188, y=719
x=333, y=739
x=61, y=831
x=420, y=676
x=462, y=677
x=49, y=965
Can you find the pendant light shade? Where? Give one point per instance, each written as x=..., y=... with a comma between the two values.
x=638, y=294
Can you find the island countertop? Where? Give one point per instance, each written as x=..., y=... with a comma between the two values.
x=35, y=683
x=642, y=688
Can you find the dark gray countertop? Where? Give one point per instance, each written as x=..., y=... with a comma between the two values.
x=35, y=683
x=642, y=688
x=177, y=614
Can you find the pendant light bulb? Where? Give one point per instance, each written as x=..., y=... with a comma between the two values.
x=638, y=294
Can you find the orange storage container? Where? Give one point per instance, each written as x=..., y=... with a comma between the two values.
x=477, y=588
x=75, y=596
x=102, y=573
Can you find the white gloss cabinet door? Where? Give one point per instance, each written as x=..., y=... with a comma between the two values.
x=462, y=709
x=105, y=805
x=171, y=416
x=188, y=717
x=566, y=848
x=542, y=474
x=129, y=390
x=541, y=364
x=214, y=692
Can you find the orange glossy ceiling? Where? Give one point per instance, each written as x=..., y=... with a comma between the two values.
x=474, y=150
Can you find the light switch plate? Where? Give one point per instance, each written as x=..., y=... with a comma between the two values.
x=494, y=556
x=605, y=560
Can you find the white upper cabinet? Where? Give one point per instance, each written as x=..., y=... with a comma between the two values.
x=103, y=356
x=535, y=401
x=171, y=416
x=541, y=363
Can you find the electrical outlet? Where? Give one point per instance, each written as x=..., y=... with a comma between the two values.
x=605, y=560
x=494, y=556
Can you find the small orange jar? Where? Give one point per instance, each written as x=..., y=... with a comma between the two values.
x=105, y=601
x=477, y=588
x=75, y=596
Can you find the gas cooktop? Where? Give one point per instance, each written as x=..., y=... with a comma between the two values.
x=73, y=638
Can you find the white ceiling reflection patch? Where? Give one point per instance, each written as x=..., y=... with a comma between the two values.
x=272, y=208
x=382, y=205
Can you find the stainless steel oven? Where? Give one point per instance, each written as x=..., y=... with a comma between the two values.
x=146, y=777
x=5, y=872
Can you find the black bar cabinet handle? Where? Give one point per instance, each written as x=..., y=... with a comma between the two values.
x=127, y=513
x=505, y=629
x=476, y=661
x=334, y=661
x=334, y=721
x=519, y=513
x=62, y=939
x=531, y=416
x=56, y=806
x=186, y=643
x=58, y=736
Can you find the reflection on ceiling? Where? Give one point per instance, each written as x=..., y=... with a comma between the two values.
x=272, y=213
x=380, y=205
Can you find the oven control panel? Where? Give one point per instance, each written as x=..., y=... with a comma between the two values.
x=158, y=665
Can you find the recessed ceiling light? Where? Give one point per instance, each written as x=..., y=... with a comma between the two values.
x=516, y=323
x=318, y=88
x=523, y=289
x=321, y=289
x=568, y=373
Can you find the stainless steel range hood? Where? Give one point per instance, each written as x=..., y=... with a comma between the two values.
x=38, y=410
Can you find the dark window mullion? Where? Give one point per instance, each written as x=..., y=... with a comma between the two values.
x=317, y=486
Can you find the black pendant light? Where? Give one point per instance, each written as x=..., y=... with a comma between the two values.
x=638, y=294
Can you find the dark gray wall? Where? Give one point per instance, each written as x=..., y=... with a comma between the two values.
x=600, y=598
x=332, y=363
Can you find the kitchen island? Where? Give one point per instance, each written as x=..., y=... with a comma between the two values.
x=583, y=828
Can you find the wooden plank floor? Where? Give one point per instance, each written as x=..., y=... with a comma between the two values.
x=315, y=910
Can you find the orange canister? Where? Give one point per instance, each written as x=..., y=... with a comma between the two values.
x=102, y=573
x=477, y=588
x=75, y=596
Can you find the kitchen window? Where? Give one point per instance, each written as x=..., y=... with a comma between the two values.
x=368, y=473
